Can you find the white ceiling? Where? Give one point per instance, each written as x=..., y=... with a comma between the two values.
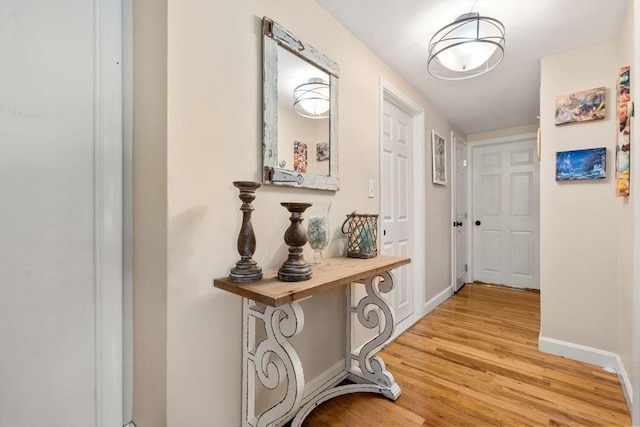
x=399, y=31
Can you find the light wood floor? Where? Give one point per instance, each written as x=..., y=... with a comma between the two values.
x=474, y=361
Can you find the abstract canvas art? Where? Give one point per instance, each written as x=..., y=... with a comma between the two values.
x=623, y=142
x=322, y=151
x=581, y=164
x=581, y=106
x=299, y=156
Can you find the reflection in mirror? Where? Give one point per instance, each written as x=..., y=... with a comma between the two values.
x=300, y=105
x=304, y=126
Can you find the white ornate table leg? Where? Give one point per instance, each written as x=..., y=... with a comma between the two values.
x=370, y=374
x=371, y=368
x=273, y=360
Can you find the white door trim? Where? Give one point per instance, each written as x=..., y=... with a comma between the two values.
x=454, y=138
x=390, y=93
x=127, y=157
x=108, y=211
x=470, y=147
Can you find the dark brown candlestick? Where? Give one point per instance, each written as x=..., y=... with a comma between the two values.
x=295, y=268
x=246, y=269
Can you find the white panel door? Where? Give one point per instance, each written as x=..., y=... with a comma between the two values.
x=60, y=213
x=460, y=220
x=506, y=214
x=395, y=215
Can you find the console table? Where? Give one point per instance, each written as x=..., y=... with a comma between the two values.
x=273, y=360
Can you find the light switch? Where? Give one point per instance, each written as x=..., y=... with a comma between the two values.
x=370, y=188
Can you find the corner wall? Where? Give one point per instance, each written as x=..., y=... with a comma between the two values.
x=578, y=219
x=587, y=265
x=625, y=219
x=149, y=213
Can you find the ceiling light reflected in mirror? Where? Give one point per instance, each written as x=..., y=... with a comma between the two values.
x=312, y=99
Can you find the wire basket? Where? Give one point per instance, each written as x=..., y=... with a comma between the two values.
x=362, y=233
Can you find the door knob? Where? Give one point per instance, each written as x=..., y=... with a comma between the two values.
x=458, y=224
x=478, y=223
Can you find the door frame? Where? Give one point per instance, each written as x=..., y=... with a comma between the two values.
x=108, y=212
x=454, y=241
x=471, y=214
x=388, y=92
x=127, y=157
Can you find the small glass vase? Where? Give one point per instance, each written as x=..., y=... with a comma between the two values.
x=318, y=229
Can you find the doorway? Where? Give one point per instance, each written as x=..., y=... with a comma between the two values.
x=459, y=271
x=505, y=208
x=402, y=199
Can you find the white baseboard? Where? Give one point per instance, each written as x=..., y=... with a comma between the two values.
x=129, y=424
x=578, y=352
x=593, y=356
x=625, y=383
x=437, y=300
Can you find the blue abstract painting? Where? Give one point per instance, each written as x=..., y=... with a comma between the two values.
x=581, y=164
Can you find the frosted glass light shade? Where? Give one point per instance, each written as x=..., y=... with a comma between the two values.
x=312, y=100
x=468, y=47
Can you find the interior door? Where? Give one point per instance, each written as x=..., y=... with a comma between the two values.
x=60, y=213
x=396, y=208
x=506, y=214
x=460, y=224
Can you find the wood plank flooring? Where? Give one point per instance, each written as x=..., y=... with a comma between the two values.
x=474, y=361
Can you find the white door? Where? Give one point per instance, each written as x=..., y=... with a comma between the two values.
x=60, y=213
x=460, y=224
x=396, y=198
x=506, y=214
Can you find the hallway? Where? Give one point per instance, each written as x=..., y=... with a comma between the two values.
x=474, y=361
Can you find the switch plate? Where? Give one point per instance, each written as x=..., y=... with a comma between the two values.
x=370, y=188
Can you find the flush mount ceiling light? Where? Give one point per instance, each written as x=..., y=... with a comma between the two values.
x=312, y=99
x=468, y=47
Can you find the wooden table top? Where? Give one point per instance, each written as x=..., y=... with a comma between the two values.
x=335, y=272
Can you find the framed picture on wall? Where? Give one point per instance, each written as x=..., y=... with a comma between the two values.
x=581, y=106
x=439, y=158
x=581, y=164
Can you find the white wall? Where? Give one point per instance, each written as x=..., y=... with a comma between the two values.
x=624, y=217
x=214, y=136
x=579, y=230
x=635, y=182
x=502, y=133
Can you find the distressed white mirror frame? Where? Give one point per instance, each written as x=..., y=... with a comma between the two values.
x=275, y=36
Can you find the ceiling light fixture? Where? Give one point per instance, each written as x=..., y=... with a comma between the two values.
x=312, y=99
x=468, y=47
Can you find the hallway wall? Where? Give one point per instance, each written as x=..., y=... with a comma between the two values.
x=587, y=243
x=579, y=238
x=214, y=137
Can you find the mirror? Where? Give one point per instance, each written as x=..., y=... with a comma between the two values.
x=300, y=106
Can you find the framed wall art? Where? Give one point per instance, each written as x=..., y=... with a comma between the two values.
x=581, y=164
x=322, y=151
x=299, y=156
x=439, y=158
x=581, y=106
x=623, y=143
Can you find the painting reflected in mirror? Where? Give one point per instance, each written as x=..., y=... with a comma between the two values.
x=300, y=87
